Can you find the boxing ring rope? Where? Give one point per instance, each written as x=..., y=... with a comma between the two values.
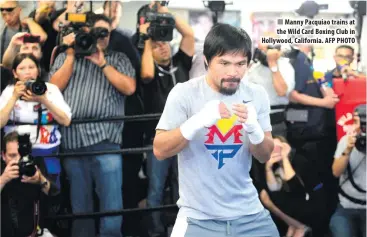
x=110, y=213
x=126, y=118
x=138, y=150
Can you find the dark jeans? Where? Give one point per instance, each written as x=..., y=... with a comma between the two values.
x=105, y=171
x=157, y=172
x=348, y=222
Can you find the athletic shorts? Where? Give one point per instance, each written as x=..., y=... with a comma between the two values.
x=256, y=225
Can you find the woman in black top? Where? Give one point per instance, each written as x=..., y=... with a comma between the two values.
x=290, y=188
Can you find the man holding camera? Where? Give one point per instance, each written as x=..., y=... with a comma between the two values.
x=94, y=86
x=24, y=43
x=349, y=165
x=20, y=194
x=160, y=72
x=10, y=12
x=276, y=75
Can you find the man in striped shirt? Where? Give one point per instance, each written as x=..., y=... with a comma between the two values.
x=94, y=87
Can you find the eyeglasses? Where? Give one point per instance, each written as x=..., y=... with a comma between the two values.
x=7, y=9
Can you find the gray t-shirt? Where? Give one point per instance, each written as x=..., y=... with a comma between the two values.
x=357, y=161
x=214, y=167
x=261, y=75
x=8, y=33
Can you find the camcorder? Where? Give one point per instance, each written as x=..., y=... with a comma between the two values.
x=26, y=163
x=161, y=25
x=85, y=42
x=37, y=86
x=361, y=137
x=260, y=56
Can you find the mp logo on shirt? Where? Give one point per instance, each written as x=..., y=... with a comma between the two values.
x=224, y=140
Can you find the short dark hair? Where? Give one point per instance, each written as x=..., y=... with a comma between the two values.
x=10, y=137
x=101, y=17
x=344, y=46
x=142, y=12
x=224, y=38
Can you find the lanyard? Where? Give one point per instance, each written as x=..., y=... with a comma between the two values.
x=170, y=72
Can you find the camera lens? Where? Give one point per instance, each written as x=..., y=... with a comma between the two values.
x=39, y=87
x=29, y=170
x=84, y=41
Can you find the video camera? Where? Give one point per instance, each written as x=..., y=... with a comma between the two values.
x=161, y=25
x=26, y=162
x=37, y=86
x=361, y=138
x=260, y=56
x=85, y=43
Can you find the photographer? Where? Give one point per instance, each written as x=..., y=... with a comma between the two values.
x=31, y=100
x=21, y=195
x=160, y=71
x=10, y=12
x=24, y=43
x=95, y=86
x=22, y=101
x=276, y=75
x=349, y=166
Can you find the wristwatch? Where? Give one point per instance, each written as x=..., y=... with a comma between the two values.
x=274, y=69
x=104, y=65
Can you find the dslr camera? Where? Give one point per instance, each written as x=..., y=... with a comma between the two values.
x=26, y=162
x=37, y=86
x=260, y=56
x=85, y=43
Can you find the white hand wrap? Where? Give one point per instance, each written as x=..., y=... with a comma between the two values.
x=207, y=117
x=252, y=127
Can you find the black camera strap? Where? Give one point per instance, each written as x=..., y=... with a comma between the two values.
x=351, y=179
x=352, y=199
x=36, y=218
x=350, y=173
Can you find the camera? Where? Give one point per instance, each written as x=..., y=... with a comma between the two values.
x=26, y=162
x=38, y=87
x=31, y=39
x=85, y=43
x=161, y=26
x=260, y=56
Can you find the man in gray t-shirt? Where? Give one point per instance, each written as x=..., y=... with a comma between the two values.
x=215, y=123
x=350, y=166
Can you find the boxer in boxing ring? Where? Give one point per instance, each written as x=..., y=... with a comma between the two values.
x=216, y=123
